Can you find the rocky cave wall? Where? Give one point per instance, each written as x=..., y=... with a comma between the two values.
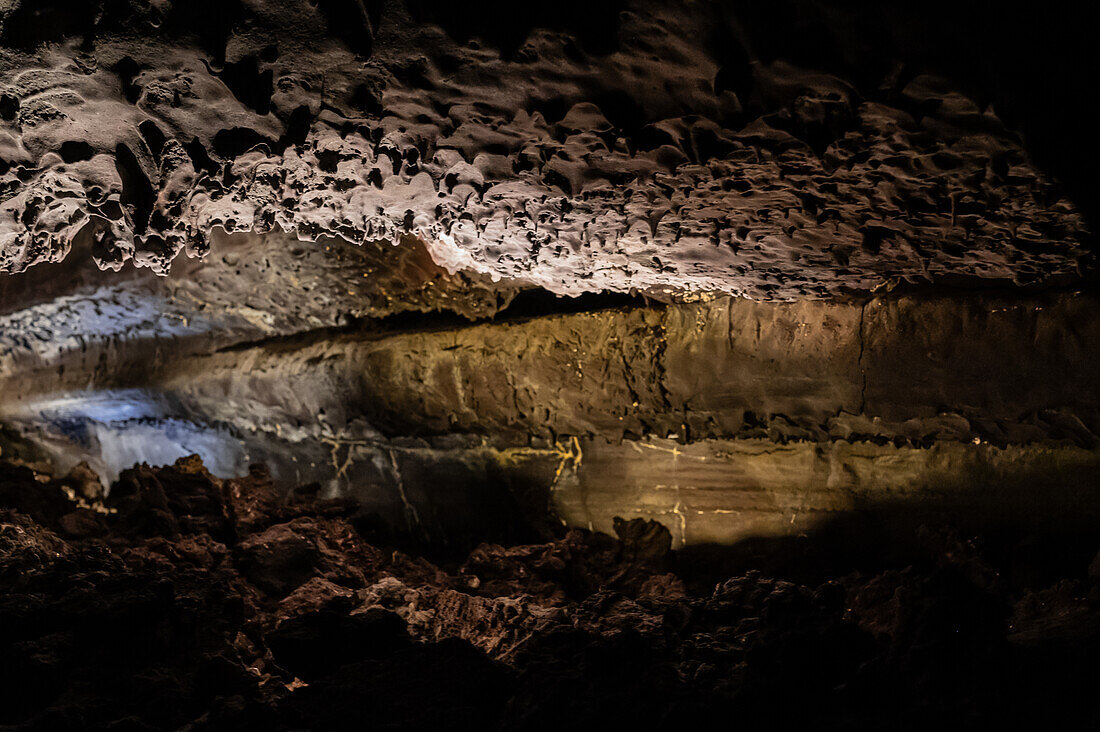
x=331, y=237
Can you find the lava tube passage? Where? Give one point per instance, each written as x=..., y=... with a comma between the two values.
x=499, y=365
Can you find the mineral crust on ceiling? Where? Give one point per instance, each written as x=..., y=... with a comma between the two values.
x=625, y=150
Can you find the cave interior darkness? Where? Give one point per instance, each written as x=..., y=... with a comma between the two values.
x=409, y=365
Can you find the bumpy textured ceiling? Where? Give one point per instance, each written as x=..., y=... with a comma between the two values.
x=630, y=147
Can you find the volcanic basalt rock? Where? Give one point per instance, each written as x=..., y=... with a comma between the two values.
x=140, y=128
x=792, y=232
x=185, y=593
x=419, y=304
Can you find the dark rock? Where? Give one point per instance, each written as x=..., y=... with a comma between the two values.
x=252, y=501
x=44, y=501
x=279, y=559
x=109, y=624
x=318, y=643
x=446, y=685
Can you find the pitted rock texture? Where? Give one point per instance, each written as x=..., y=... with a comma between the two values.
x=636, y=153
x=255, y=286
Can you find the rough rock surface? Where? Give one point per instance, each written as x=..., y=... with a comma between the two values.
x=186, y=601
x=449, y=166
x=722, y=419
x=644, y=147
x=850, y=490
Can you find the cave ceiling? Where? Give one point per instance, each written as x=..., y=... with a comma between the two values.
x=627, y=146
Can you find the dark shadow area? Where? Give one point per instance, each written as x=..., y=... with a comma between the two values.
x=1030, y=62
x=353, y=21
x=182, y=600
x=1030, y=537
x=991, y=599
x=505, y=25
x=525, y=305
x=28, y=25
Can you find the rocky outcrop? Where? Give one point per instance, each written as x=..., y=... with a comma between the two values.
x=182, y=600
